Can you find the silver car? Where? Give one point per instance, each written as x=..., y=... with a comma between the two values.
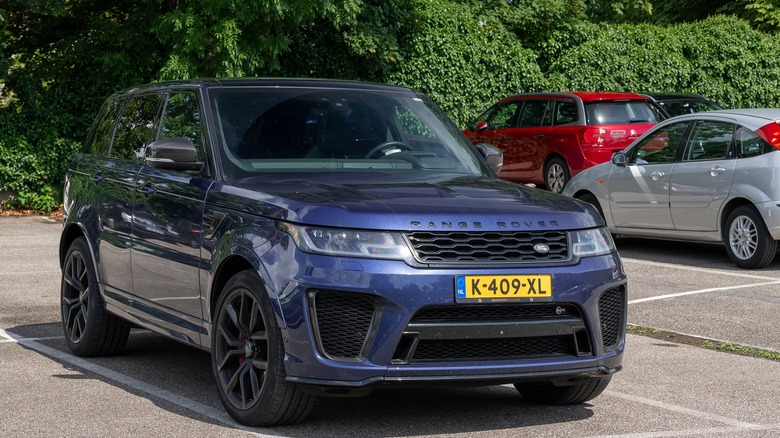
x=705, y=177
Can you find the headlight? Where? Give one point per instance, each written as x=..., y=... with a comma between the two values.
x=592, y=242
x=348, y=243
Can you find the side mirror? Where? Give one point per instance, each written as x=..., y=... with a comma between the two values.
x=619, y=159
x=493, y=156
x=177, y=153
x=481, y=126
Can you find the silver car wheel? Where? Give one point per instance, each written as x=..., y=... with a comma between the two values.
x=743, y=237
x=556, y=177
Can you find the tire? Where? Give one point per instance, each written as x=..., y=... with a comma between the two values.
x=556, y=175
x=247, y=358
x=748, y=242
x=591, y=199
x=89, y=329
x=548, y=394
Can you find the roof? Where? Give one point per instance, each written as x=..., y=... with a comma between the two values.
x=585, y=96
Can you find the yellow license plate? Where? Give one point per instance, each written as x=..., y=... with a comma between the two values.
x=494, y=288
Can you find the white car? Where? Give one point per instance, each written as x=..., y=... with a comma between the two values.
x=706, y=177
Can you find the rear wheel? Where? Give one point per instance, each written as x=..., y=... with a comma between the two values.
x=556, y=175
x=748, y=242
x=247, y=357
x=549, y=394
x=89, y=330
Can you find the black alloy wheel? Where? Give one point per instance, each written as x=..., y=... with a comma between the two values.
x=247, y=358
x=89, y=329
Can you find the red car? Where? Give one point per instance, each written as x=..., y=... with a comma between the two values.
x=547, y=138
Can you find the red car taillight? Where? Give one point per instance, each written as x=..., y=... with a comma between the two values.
x=770, y=133
x=593, y=136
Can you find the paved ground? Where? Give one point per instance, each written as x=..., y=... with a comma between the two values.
x=161, y=388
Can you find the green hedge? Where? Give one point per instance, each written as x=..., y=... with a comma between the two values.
x=459, y=52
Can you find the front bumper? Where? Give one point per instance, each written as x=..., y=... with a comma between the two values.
x=353, y=324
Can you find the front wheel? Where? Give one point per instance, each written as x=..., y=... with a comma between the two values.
x=247, y=358
x=549, y=394
x=556, y=175
x=748, y=242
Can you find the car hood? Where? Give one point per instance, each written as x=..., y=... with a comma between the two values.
x=392, y=202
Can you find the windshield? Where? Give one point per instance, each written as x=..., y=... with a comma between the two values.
x=266, y=129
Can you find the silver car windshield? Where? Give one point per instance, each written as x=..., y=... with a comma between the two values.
x=264, y=129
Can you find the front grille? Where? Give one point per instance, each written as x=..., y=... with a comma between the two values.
x=612, y=305
x=343, y=323
x=470, y=247
x=493, y=332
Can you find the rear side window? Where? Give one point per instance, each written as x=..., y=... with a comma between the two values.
x=710, y=141
x=136, y=127
x=620, y=113
x=100, y=140
x=749, y=144
x=565, y=113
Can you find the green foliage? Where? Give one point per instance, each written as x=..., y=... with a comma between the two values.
x=59, y=59
x=721, y=57
x=462, y=61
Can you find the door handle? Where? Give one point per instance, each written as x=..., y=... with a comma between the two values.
x=717, y=171
x=539, y=136
x=657, y=175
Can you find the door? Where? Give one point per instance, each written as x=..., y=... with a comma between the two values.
x=167, y=226
x=114, y=172
x=701, y=181
x=639, y=192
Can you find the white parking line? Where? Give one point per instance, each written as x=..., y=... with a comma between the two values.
x=217, y=415
x=700, y=291
x=771, y=280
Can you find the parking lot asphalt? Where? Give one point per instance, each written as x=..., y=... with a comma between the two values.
x=158, y=387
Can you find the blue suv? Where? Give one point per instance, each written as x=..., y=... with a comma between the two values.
x=327, y=238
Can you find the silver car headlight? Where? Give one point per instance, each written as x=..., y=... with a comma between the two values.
x=592, y=242
x=348, y=243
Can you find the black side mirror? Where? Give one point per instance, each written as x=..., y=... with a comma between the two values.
x=177, y=153
x=493, y=155
x=619, y=159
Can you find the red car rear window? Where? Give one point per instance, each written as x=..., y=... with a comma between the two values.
x=620, y=113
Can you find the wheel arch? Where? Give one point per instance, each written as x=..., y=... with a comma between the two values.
x=730, y=206
x=70, y=233
x=228, y=268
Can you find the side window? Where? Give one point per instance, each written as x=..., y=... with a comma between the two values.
x=710, y=141
x=136, y=127
x=749, y=144
x=535, y=113
x=661, y=146
x=504, y=116
x=181, y=118
x=565, y=113
x=99, y=141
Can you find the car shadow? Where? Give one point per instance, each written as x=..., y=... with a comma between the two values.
x=172, y=367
